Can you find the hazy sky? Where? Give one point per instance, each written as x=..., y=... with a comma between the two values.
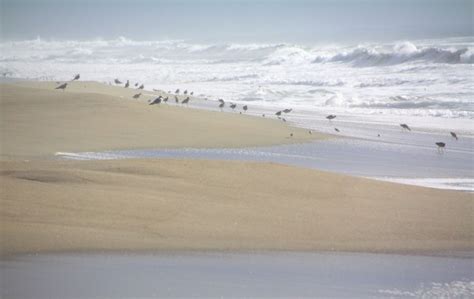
x=237, y=20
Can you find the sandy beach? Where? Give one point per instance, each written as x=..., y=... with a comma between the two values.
x=154, y=204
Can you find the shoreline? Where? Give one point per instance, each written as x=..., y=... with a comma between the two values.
x=150, y=204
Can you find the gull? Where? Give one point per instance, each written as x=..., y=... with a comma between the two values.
x=287, y=110
x=245, y=108
x=441, y=146
x=454, y=135
x=331, y=116
x=62, y=86
x=405, y=126
x=117, y=81
x=127, y=84
x=76, y=77
x=156, y=101
x=137, y=95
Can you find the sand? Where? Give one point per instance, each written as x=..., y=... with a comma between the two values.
x=51, y=205
x=221, y=205
x=37, y=121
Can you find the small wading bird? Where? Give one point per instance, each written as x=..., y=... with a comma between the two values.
x=176, y=99
x=177, y=91
x=156, y=101
x=127, y=84
x=165, y=100
x=136, y=84
x=117, y=81
x=287, y=110
x=192, y=93
x=76, y=77
x=137, y=95
x=62, y=86
x=278, y=113
x=441, y=146
x=221, y=100
x=331, y=116
x=221, y=105
x=245, y=108
x=454, y=135
x=185, y=101
x=336, y=129
x=185, y=92
x=405, y=126
x=141, y=86
x=233, y=106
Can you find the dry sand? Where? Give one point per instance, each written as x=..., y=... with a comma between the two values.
x=50, y=205
x=37, y=121
x=221, y=205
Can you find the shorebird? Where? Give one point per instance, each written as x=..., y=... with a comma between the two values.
x=165, y=100
x=336, y=129
x=127, y=84
x=310, y=132
x=454, y=135
x=405, y=126
x=233, y=106
x=221, y=105
x=278, y=113
x=177, y=91
x=62, y=86
x=287, y=110
x=331, y=116
x=185, y=92
x=137, y=95
x=221, y=100
x=176, y=99
x=117, y=81
x=263, y=115
x=141, y=86
x=156, y=101
x=192, y=93
x=283, y=119
x=136, y=84
x=441, y=146
x=76, y=77
x=245, y=108
x=185, y=101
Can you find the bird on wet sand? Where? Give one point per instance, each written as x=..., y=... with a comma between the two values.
x=245, y=108
x=165, y=100
x=221, y=100
x=441, y=146
x=185, y=92
x=221, y=105
x=336, y=129
x=287, y=110
x=141, y=86
x=177, y=91
x=127, y=84
x=454, y=135
x=176, y=99
x=405, y=126
x=156, y=101
x=185, y=101
x=278, y=113
x=76, y=77
x=330, y=116
x=62, y=86
x=136, y=84
x=192, y=93
x=137, y=95
x=233, y=106
x=117, y=81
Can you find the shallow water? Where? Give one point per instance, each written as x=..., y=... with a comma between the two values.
x=324, y=275
x=403, y=163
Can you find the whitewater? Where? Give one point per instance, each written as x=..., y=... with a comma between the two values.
x=371, y=87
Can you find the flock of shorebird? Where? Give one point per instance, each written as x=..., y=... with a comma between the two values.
x=279, y=114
